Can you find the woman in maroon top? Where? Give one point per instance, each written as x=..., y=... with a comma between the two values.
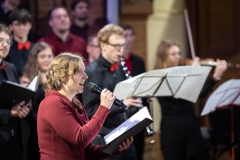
x=64, y=131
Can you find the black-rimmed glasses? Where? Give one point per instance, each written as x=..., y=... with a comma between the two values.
x=8, y=41
x=118, y=46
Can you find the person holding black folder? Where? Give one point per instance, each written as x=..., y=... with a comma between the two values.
x=64, y=130
x=180, y=129
x=14, y=129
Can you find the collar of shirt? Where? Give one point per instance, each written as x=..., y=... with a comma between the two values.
x=3, y=67
x=55, y=37
x=102, y=61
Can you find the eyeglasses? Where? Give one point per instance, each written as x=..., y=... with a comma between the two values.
x=8, y=41
x=118, y=46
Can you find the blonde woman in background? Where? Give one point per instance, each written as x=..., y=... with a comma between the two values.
x=180, y=129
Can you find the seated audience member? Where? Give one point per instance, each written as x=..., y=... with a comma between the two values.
x=14, y=130
x=20, y=24
x=6, y=7
x=61, y=39
x=39, y=61
x=64, y=131
x=80, y=10
x=92, y=48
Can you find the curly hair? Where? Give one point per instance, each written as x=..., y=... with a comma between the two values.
x=108, y=30
x=65, y=65
x=162, y=53
x=31, y=67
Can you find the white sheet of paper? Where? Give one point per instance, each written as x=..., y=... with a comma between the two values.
x=183, y=82
x=33, y=83
x=129, y=123
x=226, y=94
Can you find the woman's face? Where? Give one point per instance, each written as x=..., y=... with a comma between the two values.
x=173, y=57
x=76, y=83
x=44, y=59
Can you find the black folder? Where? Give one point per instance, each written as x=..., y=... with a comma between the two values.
x=130, y=127
x=12, y=93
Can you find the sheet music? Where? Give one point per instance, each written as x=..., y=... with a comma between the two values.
x=193, y=83
x=183, y=82
x=226, y=94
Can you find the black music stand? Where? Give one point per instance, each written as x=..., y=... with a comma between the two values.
x=183, y=82
x=226, y=95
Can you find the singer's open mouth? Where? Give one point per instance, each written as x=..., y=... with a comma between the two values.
x=81, y=84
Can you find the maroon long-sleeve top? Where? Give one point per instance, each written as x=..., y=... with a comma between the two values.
x=73, y=44
x=64, y=132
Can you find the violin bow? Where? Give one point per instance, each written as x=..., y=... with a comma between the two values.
x=189, y=34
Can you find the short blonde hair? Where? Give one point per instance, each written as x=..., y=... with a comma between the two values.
x=108, y=30
x=64, y=66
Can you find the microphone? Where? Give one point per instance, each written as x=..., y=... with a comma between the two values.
x=95, y=89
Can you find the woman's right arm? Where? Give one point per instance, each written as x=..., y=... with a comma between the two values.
x=61, y=118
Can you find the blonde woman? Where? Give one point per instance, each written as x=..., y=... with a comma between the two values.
x=64, y=131
x=180, y=130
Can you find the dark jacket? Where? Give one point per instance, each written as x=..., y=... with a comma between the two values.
x=5, y=115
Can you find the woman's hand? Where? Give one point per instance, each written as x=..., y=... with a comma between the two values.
x=125, y=144
x=196, y=61
x=107, y=98
x=219, y=69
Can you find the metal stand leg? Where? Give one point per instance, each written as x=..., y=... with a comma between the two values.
x=152, y=142
x=153, y=149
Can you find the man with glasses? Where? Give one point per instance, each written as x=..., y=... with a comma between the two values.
x=14, y=130
x=106, y=73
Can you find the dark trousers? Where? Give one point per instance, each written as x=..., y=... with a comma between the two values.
x=12, y=150
x=139, y=143
x=181, y=138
